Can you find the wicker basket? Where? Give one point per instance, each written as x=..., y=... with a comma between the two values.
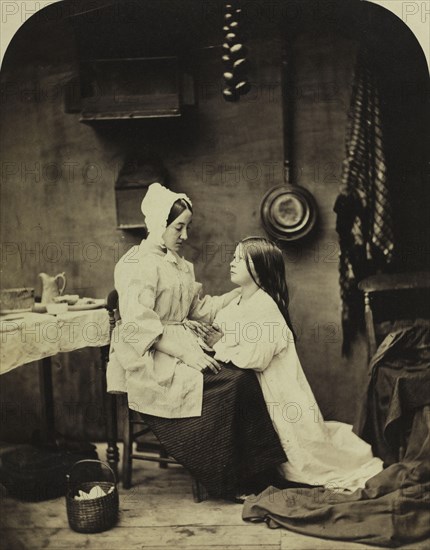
x=91, y=515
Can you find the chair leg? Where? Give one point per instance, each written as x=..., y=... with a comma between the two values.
x=199, y=491
x=163, y=454
x=128, y=447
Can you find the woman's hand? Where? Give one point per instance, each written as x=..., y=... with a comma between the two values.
x=199, y=360
x=200, y=329
x=213, y=336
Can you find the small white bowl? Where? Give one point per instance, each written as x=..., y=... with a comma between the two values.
x=55, y=309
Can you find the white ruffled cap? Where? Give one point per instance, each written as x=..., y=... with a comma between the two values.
x=156, y=207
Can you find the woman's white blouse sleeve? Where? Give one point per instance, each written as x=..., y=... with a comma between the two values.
x=141, y=326
x=206, y=308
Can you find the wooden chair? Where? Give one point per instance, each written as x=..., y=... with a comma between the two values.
x=134, y=428
x=391, y=298
x=409, y=293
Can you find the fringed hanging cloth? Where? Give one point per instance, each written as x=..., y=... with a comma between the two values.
x=363, y=208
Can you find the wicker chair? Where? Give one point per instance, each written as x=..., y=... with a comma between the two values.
x=135, y=429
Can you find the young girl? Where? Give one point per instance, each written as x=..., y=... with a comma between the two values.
x=195, y=408
x=258, y=336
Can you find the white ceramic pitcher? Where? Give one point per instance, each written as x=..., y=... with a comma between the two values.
x=50, y=286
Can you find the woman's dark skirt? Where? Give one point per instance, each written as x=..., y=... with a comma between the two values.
x=232, y=443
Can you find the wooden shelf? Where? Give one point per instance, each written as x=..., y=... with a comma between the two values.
x=127, y=89
x=131, y=226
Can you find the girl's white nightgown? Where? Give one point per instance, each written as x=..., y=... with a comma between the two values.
x=319, y=453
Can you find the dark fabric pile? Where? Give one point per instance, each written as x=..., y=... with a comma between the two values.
x=394, y=507
x=363, y=208
x=399, y=384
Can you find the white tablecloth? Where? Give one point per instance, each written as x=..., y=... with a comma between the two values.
x=27, y=337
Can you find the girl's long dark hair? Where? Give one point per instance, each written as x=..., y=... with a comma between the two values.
x=268, y=272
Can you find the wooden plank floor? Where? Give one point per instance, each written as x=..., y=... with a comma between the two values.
x=157, y=513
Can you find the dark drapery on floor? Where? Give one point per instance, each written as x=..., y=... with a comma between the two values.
x=392, y=510
x=232, y=442
x=394, y=507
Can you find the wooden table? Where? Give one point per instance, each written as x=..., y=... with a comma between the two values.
x=34, y=337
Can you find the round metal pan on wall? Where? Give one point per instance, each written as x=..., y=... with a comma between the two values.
x=288, y=212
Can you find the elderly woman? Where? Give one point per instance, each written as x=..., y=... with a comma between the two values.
x=211, y=417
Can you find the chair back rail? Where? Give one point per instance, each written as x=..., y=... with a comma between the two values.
x=112, y=306
x=385, y=283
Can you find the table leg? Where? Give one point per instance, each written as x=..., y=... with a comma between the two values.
x=47, y=401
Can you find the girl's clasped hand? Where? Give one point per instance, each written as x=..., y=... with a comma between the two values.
x=213, y=335
x=198, y=359
x=210, y=334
